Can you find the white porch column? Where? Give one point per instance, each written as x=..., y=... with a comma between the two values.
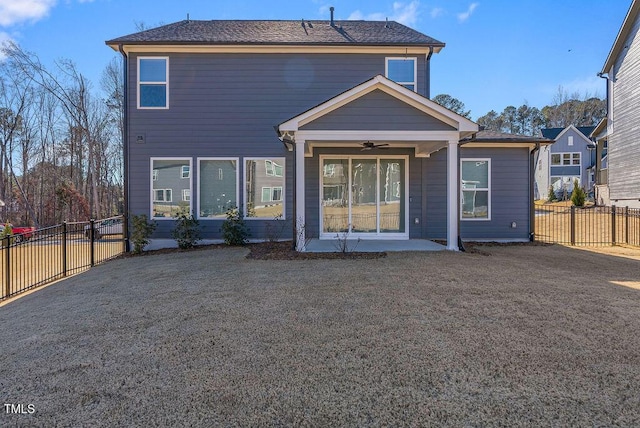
x=452, y=195
x=300, y=197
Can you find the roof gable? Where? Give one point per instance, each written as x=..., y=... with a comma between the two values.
x=264, y=32
x=424, y=105
x=557, y=133
x=378, y=110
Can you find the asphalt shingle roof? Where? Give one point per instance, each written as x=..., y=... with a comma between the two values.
x=488, y=136
x=552, y=133
x=281, y=33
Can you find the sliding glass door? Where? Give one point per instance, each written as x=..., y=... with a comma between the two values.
x=364, y=196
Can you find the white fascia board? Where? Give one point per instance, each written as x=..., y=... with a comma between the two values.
x=258, y=48
x=377, y=135
x=580, y=134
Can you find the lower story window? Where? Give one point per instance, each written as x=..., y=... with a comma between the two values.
x=166, y=181
x=218, y=186
x=476, y=189
x=264, y=185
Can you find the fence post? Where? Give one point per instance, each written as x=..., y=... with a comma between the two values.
x=613, y=225
x=64, y=248
x=7, y=267
x=92, y=233
x=626, y=225
x=573, y=225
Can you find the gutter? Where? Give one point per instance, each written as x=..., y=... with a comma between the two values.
x=428, y=73
x=125, y=145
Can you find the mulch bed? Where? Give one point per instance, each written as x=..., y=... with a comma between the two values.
x=284, y=251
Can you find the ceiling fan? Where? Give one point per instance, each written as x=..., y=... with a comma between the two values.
x=368, y=145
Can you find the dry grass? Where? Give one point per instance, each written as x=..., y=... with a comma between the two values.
x=509, y=336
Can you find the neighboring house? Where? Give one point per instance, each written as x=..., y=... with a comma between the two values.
x=599, y=135
x=358, y=147
x=622, y=70
x=571, y=157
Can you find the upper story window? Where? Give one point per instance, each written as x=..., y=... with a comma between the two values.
x=565, y=159
x=153, y=82
x=402, y=71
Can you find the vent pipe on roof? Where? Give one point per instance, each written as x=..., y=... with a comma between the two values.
x=331, y=9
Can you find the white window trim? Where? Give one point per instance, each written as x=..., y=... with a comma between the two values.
x=166, y=83
x=199, y=160
x=381, y=236
x=273, y=188
x=244, y=186
x=164, y=193
x=270, y=194
x=415, y=70
x=487, y=189
x=152, y=198
x=182, y=172
x=186, y=195
x=561, y=154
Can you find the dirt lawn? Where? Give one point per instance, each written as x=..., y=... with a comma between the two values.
x=509, y=335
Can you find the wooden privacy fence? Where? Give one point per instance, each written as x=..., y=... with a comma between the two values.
x=58, y=251
x=589, y=226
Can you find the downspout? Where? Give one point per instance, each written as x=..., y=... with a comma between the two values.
x=532, y=205
x=125, y=145
x=428, y=73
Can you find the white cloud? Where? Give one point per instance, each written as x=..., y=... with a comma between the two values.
x=462, y=17
x=437, y=12
x=4, y=38
x=404, y=13
x=17, y=11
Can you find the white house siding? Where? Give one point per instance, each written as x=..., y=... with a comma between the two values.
x=624, y=138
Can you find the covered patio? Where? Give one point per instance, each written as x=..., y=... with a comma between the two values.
x=343, y=131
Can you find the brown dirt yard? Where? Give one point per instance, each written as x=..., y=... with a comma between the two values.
x=526, y=335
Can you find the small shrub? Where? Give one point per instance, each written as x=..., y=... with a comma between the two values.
x=187, y=230
x=7, y=232
x=578, y=196
x=551, y=196
x=343, y=244
x=142, y=231
x=234, y=228
x=273, y=230
x=303, y=236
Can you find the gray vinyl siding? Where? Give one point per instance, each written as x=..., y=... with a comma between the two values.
x=372, y=111
x=624, y=123
x=226, y=105
x=509, y=195
x=579, y=146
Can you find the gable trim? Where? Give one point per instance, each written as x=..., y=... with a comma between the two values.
x=391, y=88
x=580, y=134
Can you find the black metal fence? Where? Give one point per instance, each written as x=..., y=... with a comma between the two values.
x=31, y=260
x=589, y=226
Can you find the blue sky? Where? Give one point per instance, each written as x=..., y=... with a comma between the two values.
x=498, y=52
